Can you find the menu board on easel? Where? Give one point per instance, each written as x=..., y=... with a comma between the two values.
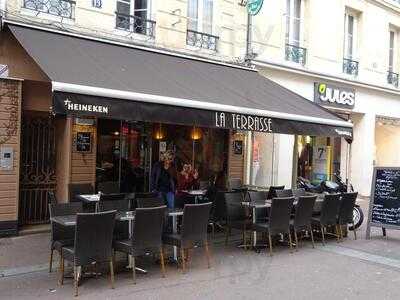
x=84, y=142
x=384, y=208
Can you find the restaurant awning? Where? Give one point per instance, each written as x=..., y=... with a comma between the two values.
x=113, y=80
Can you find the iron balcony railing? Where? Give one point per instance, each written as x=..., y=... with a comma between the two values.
x=60, y=8
x=393, y=78
x=135, y=24
x=201, y=40
x=350, y=66
x=296, y=54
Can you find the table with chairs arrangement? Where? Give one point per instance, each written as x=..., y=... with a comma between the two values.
x=92, y=228
x=90, y=238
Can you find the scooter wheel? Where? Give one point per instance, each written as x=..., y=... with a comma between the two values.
x=358, y=217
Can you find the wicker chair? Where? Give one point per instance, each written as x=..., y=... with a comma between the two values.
x=60, y=235
x=93, y=244
x=193, y=231
x=147, y=236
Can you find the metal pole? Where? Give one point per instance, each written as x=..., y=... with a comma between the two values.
x=120, y=155
x=248, y=38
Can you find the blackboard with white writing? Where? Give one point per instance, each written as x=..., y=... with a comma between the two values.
x=384, y=208
x=83, y=142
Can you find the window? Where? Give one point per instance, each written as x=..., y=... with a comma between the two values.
x=391, y=50
x=293, y=22
x=134, y=16
x=293, y=50
x=200, y=25
x=350, y=64
x=200, y=15
x=392, y=76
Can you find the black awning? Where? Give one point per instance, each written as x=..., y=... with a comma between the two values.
x=141, y=84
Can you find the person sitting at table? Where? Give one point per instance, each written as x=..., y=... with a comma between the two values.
x=187, y=178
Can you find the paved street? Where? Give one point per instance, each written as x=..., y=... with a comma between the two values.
x=350, y=270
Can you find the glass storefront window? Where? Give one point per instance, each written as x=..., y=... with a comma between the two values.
x=262, y=159
x=318, y=157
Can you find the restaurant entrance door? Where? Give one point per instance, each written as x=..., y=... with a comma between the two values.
x=123, y=155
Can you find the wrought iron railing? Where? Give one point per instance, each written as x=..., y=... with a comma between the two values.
x=350, y=66
x=393, y=78
x=201, y=40
x=135, y=24
x=60, y=8
x=296, y=54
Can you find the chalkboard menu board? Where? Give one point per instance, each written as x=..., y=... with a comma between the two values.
x=384, y=210
x=83, y=141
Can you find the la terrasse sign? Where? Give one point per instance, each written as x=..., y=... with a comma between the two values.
x=334, y=96
x=242, y=122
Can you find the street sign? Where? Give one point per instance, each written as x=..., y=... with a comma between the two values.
x=254, y=6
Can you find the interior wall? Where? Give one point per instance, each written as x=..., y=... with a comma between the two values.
x=283, y=162
x=236, y=162
x=387, y=141
x=83, y=165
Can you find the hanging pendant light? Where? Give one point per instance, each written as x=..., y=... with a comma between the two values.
x=159, y=133
x=196, y=133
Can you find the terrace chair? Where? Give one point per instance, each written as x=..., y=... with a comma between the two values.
x=345, y=215
x=141, y=196
x=279, y=220
x=237, y=216
x=235, y=183
x=61, y=235
x=299, y=192
x=302, y=217
x=193, y=231
x=108, y=187
x=121, y=228
x=329, y=214
x=52, y=199
x=147, y=236
x=272, y=191
x=284, y=193
x=149, y=202
x=93, y=244
x=79, y=189
x=255, y=196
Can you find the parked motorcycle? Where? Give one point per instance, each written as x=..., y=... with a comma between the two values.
x=330, y=187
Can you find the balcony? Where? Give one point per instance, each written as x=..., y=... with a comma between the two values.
x=59, y=8
x=350, y=67
x=135, y=24
x=201, y=40
x=296, y=54
x=393, y=79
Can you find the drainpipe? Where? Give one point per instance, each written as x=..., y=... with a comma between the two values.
x=2, y=12
x=249, y=52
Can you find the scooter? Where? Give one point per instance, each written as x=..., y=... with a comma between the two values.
x=329, y=187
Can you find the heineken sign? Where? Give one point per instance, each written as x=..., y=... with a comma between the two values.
x=334, y=96
x=254, y=6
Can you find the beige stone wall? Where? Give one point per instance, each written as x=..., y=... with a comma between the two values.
x=10, y=118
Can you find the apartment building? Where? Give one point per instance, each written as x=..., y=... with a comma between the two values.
x=343, y=55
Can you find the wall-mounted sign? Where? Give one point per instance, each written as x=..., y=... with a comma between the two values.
x=243, y=122
x=238, y=147
x=6, y=158
x=254, y=6
x=71, y=106
x=97, y=3
x=334, y=96
x=83, y=141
